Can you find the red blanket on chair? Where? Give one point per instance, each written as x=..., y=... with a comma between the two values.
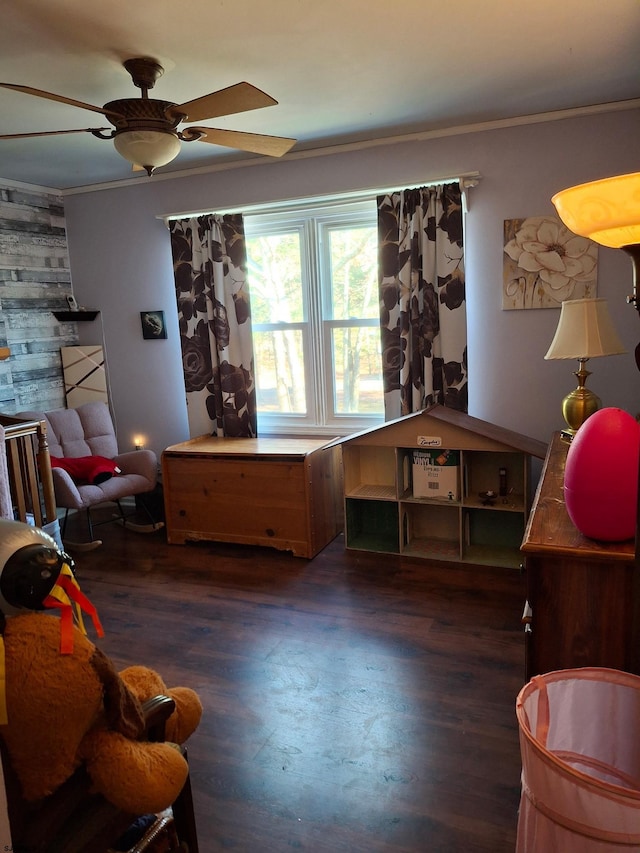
x=86, y=469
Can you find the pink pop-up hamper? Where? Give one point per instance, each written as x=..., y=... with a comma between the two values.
x=580, y=747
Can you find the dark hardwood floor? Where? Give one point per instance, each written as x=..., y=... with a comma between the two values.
x=354, y=702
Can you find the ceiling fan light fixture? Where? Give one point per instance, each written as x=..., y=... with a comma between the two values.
x=145, y=129
x=148, y=148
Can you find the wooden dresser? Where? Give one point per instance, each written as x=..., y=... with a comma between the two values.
x=283, y=493
x=583, y=595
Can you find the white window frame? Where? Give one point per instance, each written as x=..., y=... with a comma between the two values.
x=313, y=223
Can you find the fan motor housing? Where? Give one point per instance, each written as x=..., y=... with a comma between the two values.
x=141, y=114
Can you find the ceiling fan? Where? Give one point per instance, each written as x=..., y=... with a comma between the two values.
x=145, y=131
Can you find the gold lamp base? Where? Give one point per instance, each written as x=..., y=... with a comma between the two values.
x=580, y=404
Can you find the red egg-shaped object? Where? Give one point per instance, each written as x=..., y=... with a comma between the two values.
x=601, y=476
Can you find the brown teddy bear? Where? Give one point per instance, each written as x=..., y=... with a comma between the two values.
x=67, y=709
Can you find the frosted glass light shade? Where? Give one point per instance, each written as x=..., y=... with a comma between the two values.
x=585, y=330
x=149, y=148
x=605, y=211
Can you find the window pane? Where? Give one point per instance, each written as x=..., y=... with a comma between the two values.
x=315, y=315
x=357, y=366
x=354, y=269
x=279, y=365
x=275, y=278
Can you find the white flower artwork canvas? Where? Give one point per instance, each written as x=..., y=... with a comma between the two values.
x=545, y=264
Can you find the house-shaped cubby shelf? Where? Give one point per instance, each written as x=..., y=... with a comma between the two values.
x=439, y=484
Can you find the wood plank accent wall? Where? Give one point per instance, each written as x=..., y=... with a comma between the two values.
x=34, y=281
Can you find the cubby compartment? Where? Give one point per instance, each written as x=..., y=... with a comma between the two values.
x=431, y=530
x=370, y=472
x=492, y=536
x=372, y=525
x=482, y=474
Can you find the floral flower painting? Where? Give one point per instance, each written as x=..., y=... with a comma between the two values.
x=545, y=264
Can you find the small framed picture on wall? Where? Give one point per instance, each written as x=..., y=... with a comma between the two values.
x=153, y=327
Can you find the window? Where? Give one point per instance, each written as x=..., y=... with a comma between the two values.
x=315, y=318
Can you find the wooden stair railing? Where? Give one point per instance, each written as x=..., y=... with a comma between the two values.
x=29, y=466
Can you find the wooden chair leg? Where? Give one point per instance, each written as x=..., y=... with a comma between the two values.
x=184, y=817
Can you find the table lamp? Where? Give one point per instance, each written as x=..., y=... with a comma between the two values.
x=584, y=331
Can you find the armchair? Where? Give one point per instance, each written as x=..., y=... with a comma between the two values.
x=89, y=431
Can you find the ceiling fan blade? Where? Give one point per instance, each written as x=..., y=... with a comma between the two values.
x=52, y=132
x=257, y=143
x=234, y=99
x=40, y=93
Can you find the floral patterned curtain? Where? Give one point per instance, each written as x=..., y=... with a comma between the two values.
x=422, y=299
x=210, y=266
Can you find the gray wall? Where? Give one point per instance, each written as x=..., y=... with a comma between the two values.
x=121, y=262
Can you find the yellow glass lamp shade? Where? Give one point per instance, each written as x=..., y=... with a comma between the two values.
x=606, y=211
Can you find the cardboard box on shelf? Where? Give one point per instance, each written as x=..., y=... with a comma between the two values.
x=436, y=474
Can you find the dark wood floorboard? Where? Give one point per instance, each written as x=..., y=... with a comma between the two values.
x=354, y=702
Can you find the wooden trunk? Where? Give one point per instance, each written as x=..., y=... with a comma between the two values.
x=284, y=493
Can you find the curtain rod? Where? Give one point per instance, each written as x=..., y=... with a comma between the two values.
x=465, y=179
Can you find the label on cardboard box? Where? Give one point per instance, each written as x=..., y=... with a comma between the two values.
x=435, y=474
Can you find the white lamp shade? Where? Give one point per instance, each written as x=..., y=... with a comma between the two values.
x=147, y=147
x=585, y=330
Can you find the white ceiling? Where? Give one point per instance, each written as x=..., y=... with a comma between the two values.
x=342, y=70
